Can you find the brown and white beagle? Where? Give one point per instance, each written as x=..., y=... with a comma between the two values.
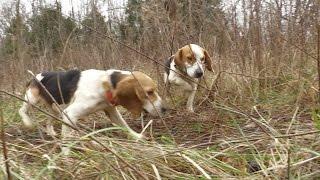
x=85, y=92
x=191, y=60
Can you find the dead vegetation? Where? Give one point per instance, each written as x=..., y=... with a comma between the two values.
x=261, y=121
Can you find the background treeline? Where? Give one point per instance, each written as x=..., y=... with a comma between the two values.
x=262, y=39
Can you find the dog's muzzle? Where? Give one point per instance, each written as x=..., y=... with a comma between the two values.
x=198, y=73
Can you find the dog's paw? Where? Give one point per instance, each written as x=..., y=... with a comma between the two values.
x=28, y=123
x=138, y=136
x=52, y=133
x=190, y=109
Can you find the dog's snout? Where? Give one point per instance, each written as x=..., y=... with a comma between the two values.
x=163, y=110
x=198, y=73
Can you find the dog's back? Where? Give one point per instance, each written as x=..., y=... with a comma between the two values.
x=61, y=85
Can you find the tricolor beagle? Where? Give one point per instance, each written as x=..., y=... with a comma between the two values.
x=85, y=92
x=190, y=61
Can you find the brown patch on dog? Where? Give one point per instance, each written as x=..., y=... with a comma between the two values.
x=183, y=56
x=207, y=60
x=132, y=94
x=34, y=89
x=179, y=61
x=146, y=89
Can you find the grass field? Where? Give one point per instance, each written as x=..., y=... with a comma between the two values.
x=271, y=137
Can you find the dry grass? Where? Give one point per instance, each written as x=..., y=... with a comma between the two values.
x=221, y=140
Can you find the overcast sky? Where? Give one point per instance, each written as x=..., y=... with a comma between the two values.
x=68, y=4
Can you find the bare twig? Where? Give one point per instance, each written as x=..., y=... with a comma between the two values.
x=4, y=146
x=318, y=62
x=156, y=171
x=196, y=165
x=288, y=162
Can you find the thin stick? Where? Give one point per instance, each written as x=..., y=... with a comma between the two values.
x=318, y=62
x=288, y=167
x=4, y=146
x=156, y=171
x=196, y=165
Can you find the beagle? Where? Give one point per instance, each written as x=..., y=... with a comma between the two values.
x=85, y=92
x=190, y=60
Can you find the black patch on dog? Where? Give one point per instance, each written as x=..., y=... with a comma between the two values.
x=115, y=77
x=167, y=63
x=68, y=82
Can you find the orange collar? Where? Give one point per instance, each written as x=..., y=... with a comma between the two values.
x=110, y=99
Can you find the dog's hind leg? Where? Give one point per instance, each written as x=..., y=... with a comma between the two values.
x=31, y=97
x=55, y=111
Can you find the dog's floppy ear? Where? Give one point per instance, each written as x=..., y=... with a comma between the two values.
x=178, y=58
x=207, y=60
x=141, y=94
x=126, y=96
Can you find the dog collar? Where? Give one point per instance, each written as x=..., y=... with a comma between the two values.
x=110, y=99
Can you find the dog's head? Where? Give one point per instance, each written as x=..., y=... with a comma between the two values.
x=137, y=92
x=193, y=59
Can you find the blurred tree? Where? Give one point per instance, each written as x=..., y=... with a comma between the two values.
x=9, y=45
x=14, y=33
x=132, y=26
x=92, y=22
x=49, y=29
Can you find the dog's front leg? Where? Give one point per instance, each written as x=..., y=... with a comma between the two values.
x=70, y=116
x=191, y=98
x=116, y=118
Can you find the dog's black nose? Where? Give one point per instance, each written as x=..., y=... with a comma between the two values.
x=163, y=110
x=198, y=74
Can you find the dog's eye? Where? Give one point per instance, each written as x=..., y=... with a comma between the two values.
x=150, y=93
x=190, y=58
x=202, y=59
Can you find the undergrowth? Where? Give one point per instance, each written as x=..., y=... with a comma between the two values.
x=238, y=131
x=224, y=141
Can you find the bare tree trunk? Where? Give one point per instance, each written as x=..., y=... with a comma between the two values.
x=258, y=43
x=244, y=12
x=18, y=33
x=277, y=43
x=17, y=42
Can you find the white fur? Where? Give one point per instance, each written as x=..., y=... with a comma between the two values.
x=175, y=78
x=197, y=51
x=198, y=65
x=89, y=97
x=155, y=107
x=191, y=72
x=39, y=76
x=31, y=99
